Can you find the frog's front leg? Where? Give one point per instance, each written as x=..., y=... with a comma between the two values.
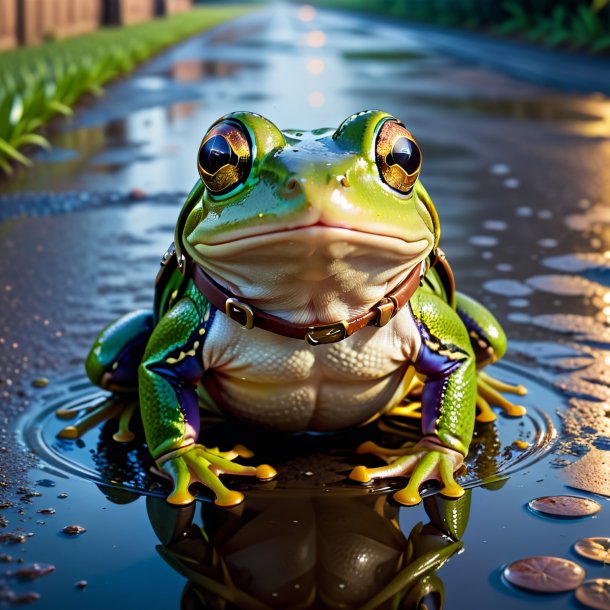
x=447, y=361
x=170, y=371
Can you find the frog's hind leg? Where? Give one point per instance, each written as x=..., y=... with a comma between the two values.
x=112, y=364
x=489, y=344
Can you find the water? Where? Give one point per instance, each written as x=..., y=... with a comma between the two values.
x=517, y=172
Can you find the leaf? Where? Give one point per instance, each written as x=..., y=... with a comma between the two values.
x=13, y=153
x=5, y=166
x=61, y=108
x=32, y=138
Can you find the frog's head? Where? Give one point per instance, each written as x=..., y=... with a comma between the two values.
x=313, y=226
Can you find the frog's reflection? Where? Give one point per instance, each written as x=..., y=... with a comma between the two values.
x=296, y=550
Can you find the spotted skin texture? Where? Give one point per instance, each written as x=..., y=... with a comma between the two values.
x=448, y=361
x=169, y=374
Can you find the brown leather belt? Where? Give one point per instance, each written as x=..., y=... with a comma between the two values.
x=246, y=315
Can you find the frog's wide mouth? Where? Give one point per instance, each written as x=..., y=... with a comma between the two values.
x=313, y=237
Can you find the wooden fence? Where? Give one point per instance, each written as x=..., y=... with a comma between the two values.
x=30, y=22
x=8, y=24
x=40, y=20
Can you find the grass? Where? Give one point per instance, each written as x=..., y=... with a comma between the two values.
x=38, y=83
x=576, y=24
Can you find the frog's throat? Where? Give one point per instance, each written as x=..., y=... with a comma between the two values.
x=249, y=317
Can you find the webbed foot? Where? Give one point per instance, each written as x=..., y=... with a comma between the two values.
x=424, y=461
x=488, y=394
x=89, y=415
x=198, y=464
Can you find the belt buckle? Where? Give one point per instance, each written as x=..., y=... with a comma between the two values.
x=385, y=311
x=236, y=310
x=326, y=333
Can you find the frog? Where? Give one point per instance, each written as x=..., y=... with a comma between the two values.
x=305, y=291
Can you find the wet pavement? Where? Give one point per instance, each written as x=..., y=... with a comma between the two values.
x=519, y=175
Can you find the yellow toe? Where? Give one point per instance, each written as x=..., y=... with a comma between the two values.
x=407, y=497
x=229, y=498
x=264, y=472
x=360, y=474
x=366, y=447
x=180, y=498
x=486, y=417
x=126, y=436
x=453, y=491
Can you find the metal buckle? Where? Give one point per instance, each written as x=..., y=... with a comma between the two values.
x=236, y=310
x=327, y=333
x=385, y=311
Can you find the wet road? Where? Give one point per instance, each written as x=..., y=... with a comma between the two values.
x=518, y=173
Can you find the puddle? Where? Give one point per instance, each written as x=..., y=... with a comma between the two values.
x=326, y=458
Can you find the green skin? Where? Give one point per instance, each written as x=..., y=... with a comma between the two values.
x=165, y=347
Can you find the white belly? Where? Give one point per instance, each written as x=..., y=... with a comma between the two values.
x=287, y=385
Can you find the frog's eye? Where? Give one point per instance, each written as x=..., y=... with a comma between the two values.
x=225, y=157
x=398, y=157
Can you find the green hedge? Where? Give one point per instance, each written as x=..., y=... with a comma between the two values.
x=37, y=83
x=577, y=24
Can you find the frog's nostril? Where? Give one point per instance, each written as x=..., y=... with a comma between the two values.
x=291, y=189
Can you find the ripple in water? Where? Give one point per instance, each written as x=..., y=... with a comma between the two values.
x=497, y=449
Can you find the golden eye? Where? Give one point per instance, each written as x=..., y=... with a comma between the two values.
x=225, y=157
x=398, y=157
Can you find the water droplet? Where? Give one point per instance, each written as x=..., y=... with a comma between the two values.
x=46, y=511
x=74, y=530
x=495, y=225
x=499, y=169
x=594, y=593
x=597, y=549
x=512, y=183
x=544, y=574
x=509, y=288
x=486, y=241
x=13, y=538
x=518, y=303
x=81, y=584
x=565, y=506
x=31, y=572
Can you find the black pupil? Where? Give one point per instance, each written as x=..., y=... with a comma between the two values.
x=216, y=153
x=406, y=154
